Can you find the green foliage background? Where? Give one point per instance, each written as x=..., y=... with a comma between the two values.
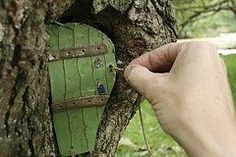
x=213, y=17
x=214, y=25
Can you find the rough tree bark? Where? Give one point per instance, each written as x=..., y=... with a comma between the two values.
x=25, y=123
x=135, y=26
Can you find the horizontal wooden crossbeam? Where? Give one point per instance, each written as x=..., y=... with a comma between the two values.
x=91, y=50
x=89, y=101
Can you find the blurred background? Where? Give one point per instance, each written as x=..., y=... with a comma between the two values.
x=207, y=20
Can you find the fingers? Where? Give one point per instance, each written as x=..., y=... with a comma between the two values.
x=139, y=78
x=140, y=71
x=144, y=71
x=159, y=60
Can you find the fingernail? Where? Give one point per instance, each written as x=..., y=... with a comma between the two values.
x=128, y=71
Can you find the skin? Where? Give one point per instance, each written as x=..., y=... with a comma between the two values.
x=187, y=85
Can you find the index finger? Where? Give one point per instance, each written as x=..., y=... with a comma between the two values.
x=160, y=59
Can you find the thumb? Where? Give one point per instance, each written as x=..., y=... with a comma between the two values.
x=140, y=78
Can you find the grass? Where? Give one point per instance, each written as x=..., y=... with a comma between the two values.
x=132, y=143
x=230, y=61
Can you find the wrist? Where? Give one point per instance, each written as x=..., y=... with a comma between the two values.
x=221, y=143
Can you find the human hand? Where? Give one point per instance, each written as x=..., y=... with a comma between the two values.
x=187, y=85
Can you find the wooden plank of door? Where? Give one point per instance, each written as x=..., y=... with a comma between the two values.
x=88, y=88
x=57, y=83
x=110, y=63
x=99, y=68
x=79, y=138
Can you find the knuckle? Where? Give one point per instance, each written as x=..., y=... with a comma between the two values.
x=201, y=47
x=201, y=44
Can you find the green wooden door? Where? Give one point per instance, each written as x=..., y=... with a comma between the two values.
x=80, y=83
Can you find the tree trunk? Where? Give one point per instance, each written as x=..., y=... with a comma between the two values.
x=26, y=126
